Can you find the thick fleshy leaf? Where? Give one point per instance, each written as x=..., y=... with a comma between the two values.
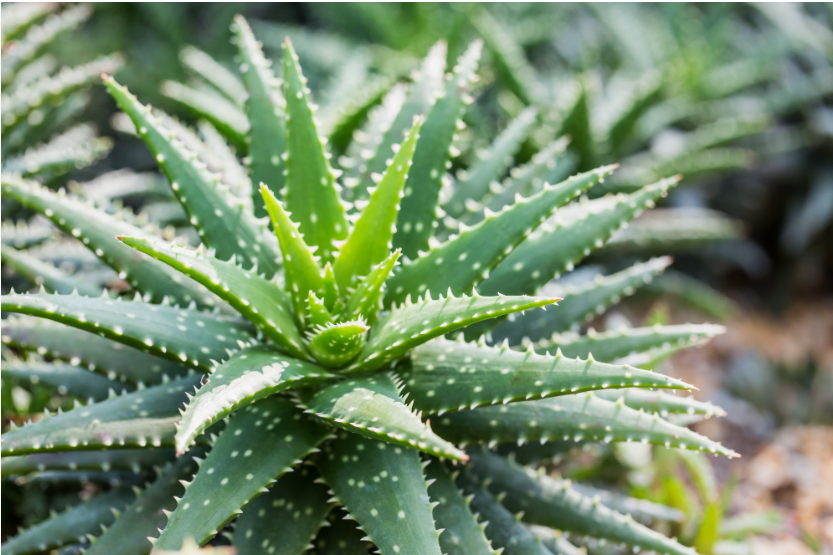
x=284, y=520
x=98, y=230
x=662, y=403
x=612, y=345
x=243, y=289
x=370, y=241
x=18, y=18
x=220, y=219
x=317, y=311
x=462, y=534
x=554, y=503
x=415, y=223
x=640, y=509
x=581, y=303
x=427, y=85
x=130, y=534
x=508, y=55
x=370, y=406
x=265, y=110
x=366, y=300
x=134, y=460
x=576, y=417
x=575, y=122
x=214, y=73
x=74, y=149
x=445, y=375
x=501, y=527
x=142, y=418
x=569, y=236
x=491, y=165
x=694, y=293
x=51, y=89
x=98, y=354
x=412, y=324
x=43, y=273
x=37, y=38
x=226, y=116
x=335, y=345
x=302, y=272
x=311, y=193
x=645, y=93
x=260, y=443
x=383, y=488
x=70, y=526
x=66, y=379
x=671, y=231
x=23, y=235
x=184, y=336
x=465, y=260
x=247, y=377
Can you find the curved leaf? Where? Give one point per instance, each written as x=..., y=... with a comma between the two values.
x=247, y=377
x=383, y=488
x=66, y=379
x=370, y=406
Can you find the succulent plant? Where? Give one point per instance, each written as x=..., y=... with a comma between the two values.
x=357, y=361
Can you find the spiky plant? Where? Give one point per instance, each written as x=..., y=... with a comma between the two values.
x=326, y=371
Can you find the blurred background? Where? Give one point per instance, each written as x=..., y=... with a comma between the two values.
x=736, y=97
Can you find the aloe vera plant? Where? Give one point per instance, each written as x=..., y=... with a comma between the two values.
x=327, y=365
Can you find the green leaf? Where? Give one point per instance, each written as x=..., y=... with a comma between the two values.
x=383, y=488
x=335, y=345
x=508, y=56
x=693, y=293
x=76, y=148
x=265, y=110
x=138, y=419
x=214, y=73
x=242, y=289
x=332, y=296
x=655, y=402
x=46, y=274
x=467, y=259
x=98, y=230
x=183, y=336
x=66, y=379
x=317, y=311
x=612, y=345
x=415, y=223
x=427, y=85
x=123, y=459
x=575, y=123
x=130, y=533
x=370, y=406
x=302, y=273
x=72, y=525
x=226, y=116
x=491, y=165
x=245, y=378
x=50, y=90
x=524, y=181
x=220, y=219
x=370, y=241
x=461, y=535
x=640, y=509
x=566, y=238
x=311, y=193
x=37, y=38
x=412, y=324
x=18, y=18
x=260, y=443
x=548, y=502
x=646, y=93
x=501, y=527
x=539, y=453
x=576, y=417
x=341, y=537
x=284, y=520
x=366, y=299
x=23, y=235
x=448, y=375
x=707, y=534
x=671, y=231
x=581, y=303
x=97, y=354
